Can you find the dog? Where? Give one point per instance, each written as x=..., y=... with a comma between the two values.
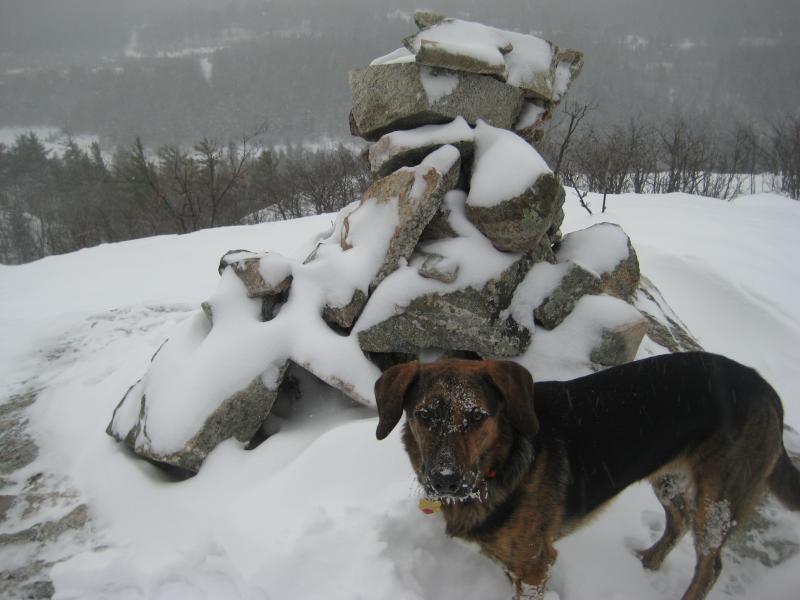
x=516, y=465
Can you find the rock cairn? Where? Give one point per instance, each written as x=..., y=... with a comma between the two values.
x=455, y=249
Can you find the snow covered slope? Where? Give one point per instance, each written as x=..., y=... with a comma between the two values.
x=323, y=510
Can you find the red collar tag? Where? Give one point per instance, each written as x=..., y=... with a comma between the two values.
x=491, y=474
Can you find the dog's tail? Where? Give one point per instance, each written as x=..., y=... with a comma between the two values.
x=785, y=482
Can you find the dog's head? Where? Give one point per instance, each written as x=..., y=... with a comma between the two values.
x=461, y=417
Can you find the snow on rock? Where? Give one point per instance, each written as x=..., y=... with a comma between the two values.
x=412, y=310
x=514, y=197
x=400, y=55
x=505, y=166
x=410, y=198
x=531, y=121
x=437, y=84
x=550, y=295
x=211, y=382
x=561, y=299
x=461, y=46
x=666, y=328
x=606, y=250
x=453, y=67
x=259, y=282
x=406, y=95
x=534, y=65
x=408, y=147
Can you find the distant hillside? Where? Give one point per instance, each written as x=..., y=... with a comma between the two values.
x=175, y=71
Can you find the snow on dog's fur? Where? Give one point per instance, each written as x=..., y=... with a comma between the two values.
x=519, y=465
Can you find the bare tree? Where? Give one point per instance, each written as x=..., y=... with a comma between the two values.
x=784, y=153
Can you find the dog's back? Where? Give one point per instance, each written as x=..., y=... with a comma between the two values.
x=623, y=424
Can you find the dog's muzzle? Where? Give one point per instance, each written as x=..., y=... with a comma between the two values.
x=447, y=482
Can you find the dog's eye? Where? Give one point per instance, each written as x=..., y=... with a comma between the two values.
x=423, y=414
x=476, y=415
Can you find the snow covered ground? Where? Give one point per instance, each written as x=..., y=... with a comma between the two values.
x=323, y=510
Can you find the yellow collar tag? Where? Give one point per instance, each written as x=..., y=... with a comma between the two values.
x=430, y=506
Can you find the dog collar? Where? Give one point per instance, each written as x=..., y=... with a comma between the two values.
x=430, y=506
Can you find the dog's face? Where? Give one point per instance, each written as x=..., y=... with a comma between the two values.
x=461, y=417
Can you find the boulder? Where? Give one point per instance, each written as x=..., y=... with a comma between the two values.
x=606, y=250
x=239, y=417
x=466, y=319
x=247, y=266
x=440, y=268
x=536, y=66
x=407, y=148
x=417, y=193
x=514, y=198
x=455, y=58
x=519, y=223
x=560, y=302
x=405, y=95
x=664, y=326
x=619, y=344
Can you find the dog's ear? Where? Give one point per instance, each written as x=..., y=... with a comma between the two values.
x=515, y=385
x=390, y=395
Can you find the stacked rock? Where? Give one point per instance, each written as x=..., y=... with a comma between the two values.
x=454, y=249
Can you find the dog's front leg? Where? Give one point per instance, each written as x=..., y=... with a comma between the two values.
x=530, y=577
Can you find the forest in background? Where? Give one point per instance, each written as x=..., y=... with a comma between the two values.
x=60, y=202
x=211, y=113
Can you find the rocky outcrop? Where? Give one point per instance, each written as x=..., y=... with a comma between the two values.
x=455, y=249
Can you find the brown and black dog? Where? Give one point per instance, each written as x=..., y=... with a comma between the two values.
x=517, y=465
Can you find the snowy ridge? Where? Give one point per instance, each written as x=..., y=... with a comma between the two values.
x=322, y=510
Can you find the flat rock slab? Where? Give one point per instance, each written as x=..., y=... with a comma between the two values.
x=536, y=66
x=408, y=148
x=468, y=319
x=405, y=95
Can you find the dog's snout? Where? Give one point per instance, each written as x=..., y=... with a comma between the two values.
x=445, y=480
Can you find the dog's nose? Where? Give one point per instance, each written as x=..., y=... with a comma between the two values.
x=445, y=480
